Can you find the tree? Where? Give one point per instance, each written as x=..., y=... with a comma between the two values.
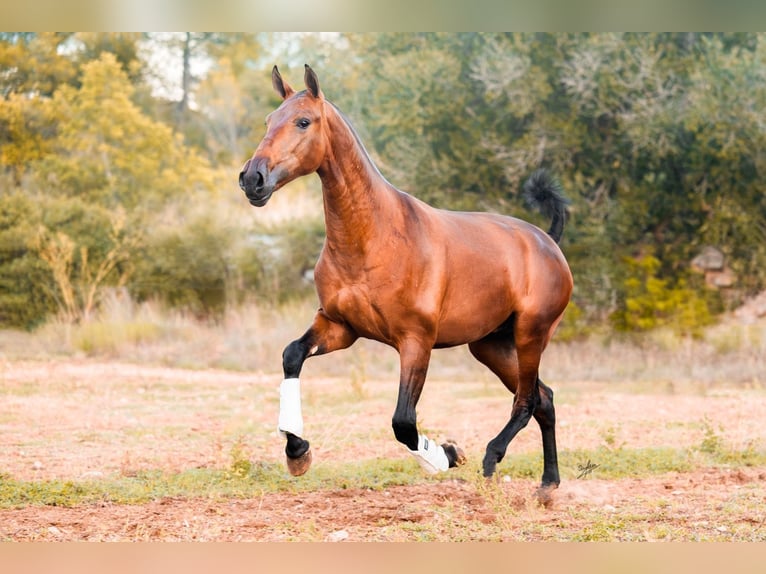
x=106, y=176
x=34, y=64
x=83, y=262
x=125, y=46
x=656, y=138
x=110, y=153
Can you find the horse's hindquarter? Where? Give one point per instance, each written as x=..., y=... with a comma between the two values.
x=496, y=266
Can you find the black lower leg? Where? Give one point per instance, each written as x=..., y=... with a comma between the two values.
x=294, y=356
x=545, y=415
x=520, y=415
x=405, y=431
x=404, y=421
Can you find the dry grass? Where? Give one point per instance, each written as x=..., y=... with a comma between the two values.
x=251, y=339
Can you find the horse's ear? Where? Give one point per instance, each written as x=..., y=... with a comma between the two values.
x=280, y=86
x=312, y=82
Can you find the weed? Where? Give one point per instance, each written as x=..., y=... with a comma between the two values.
x=604, y=531
x=712, y=443
x=240, y=466
x=586, y=469
x=609, y=435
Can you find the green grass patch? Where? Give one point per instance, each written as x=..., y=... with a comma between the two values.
x=246, y=479
x=603, y=463
x=616, y=463
x=242, y=479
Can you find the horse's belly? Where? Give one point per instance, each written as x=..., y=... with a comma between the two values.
x=473, y=319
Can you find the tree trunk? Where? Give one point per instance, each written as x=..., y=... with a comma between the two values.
x=183, y=105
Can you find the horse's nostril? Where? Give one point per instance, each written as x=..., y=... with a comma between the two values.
x=252, y=177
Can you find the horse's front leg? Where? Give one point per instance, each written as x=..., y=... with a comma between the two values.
x=432, y=457
x=324, y=336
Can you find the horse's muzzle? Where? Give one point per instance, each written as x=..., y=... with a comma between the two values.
x=252, y=180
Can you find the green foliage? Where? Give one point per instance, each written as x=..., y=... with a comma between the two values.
x=101, y=168
x=86, y=248
x=24, y=301
x=124, y=46
x=110, y=153
x=245, y=478
x=106, y=338
x=296, y=251
x=656, y=139
x=652, y=302
x=186, y=265
x=276, y=264
x=25, y=126
x=573, y=326
x=712, y=442
x=34, y=63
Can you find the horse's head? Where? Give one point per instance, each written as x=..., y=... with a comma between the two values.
x=294, y=144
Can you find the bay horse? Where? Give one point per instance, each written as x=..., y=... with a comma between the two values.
x=396, y=270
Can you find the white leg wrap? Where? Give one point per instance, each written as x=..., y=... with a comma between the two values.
x=430, y=456
x=290, y=416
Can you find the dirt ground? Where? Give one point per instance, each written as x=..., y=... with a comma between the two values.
x=80, y=420
x=366, y=515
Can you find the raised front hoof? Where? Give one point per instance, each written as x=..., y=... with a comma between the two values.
x=299, y=466
x=544, y=494
x=454, y=453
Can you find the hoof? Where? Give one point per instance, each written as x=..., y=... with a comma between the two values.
x=299, y=466
x=544, y=494
x=455, y=453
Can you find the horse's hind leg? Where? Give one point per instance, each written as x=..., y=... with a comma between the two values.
x=532, y=398
x=324, y=336
x=545, y=415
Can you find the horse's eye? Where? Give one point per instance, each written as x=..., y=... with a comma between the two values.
x=303, y=123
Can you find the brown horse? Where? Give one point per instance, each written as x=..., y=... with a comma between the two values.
x=401, y=272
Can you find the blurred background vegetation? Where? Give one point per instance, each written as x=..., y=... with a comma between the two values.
x=119, y=156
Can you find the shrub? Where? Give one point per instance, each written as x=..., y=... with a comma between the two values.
x=650, y=301
x=574, y=325
x=186, y=266
x=288, y=272
x=24, y=302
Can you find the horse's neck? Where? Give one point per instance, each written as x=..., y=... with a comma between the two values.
x=356, y=197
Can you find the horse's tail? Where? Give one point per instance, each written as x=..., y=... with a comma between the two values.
x=543, y=192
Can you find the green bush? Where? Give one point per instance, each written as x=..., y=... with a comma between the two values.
x=574, y=325
x=24, y=302
x=296, y=251
x=650, y=302
x=186, y=266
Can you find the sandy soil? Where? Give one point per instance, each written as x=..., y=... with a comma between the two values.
x=83, y=420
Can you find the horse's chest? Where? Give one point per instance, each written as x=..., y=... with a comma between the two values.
x=354, y=301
